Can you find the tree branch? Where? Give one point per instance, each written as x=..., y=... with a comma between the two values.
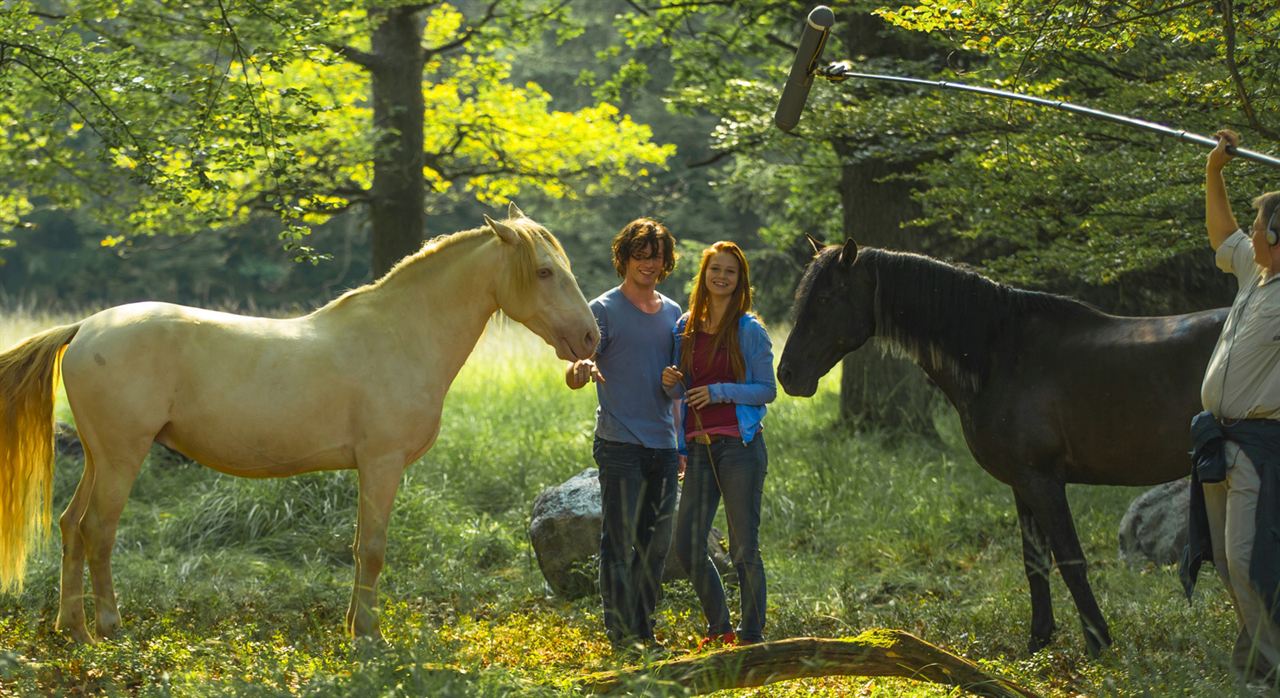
x=473, y=28
x=1229, y=33
x=265, y=122
x=1146, y=15
x=66, y=68
x=746, y=145
x=713, y=159
x=353, y=195
x=639, y=8
x=873, y=653
x=352, y=54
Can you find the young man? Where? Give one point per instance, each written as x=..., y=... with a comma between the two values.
x=1238, y=436
x=635, y=437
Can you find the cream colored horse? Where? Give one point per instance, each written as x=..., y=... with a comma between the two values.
x=357, y=384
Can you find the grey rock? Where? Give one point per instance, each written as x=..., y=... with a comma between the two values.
x=561, y=530
x=1154, y=528
x=66, y=442
x=565, y=533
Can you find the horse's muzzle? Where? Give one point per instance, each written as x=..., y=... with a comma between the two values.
x=793, y=384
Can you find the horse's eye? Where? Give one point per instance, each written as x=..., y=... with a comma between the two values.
x=544, y=273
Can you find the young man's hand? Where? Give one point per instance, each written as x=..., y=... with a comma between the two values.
x=580, y=372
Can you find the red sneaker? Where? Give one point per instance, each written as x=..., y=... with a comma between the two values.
x=719, y=641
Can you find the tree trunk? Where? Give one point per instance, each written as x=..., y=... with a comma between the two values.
x=396, y=211
x=873, y=653
x=877, y=389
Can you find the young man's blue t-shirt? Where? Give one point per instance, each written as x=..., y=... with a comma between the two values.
x=634, y=348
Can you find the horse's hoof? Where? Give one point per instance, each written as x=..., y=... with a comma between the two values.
x=80, y=635
x=367, y=630
x=368, y=645
x=1038, y=643
x=1095, y=642
x=109, y=629
x=73, y=625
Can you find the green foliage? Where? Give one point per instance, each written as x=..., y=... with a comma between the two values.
x=1036, y=196
x=60, y=260
x=190, y=119
x=1058, y=192
x=169, y=119
x=683, y=195
x=238, y=587
x=723, y=58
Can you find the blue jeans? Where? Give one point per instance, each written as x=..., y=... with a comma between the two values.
x=637, y=499
x=736, y=471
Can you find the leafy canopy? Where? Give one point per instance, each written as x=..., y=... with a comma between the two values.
x=1060, y=192
x=1038, y=194
x=170, y=117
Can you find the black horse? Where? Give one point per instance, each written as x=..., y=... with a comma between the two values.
x=1049, y=389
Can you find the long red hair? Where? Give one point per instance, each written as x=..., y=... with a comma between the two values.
x=726, y=334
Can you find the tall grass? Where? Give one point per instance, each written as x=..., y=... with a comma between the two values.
x=232, y=586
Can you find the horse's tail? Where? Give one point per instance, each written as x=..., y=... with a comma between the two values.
x=28, y=380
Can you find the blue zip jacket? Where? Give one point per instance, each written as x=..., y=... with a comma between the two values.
x=750, y=396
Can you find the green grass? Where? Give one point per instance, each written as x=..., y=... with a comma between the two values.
x=231, y=586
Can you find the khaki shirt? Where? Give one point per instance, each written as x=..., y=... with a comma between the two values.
x=1243, y=377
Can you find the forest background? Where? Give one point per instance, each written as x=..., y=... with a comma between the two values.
x=164, y=150
x=264, y=157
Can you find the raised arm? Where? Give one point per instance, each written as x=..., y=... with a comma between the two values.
x=1219, y=221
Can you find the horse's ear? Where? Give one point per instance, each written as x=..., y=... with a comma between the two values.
x=504, y=232
x=848, y=253
x=817, y=244
x=514, y=211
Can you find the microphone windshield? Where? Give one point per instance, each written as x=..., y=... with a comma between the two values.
x=812, y=38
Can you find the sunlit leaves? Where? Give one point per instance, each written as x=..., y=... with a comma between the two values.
x=1027, y=26
x=190, y=117
x=443, y=24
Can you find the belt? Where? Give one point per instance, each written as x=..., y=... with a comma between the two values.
x=709, y=439
x=1228, y=422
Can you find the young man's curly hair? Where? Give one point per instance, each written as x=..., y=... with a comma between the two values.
x=641, y=237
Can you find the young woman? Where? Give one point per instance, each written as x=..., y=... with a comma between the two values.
x=723, y=367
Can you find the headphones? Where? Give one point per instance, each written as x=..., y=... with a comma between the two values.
x=1273, y=233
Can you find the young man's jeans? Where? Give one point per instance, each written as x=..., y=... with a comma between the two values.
x=637, y=498
x=737, y=471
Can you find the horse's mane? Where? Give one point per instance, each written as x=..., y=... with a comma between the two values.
x=524, y=263
x=932, y=311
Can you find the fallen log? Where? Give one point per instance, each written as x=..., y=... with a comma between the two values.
x=877, y=652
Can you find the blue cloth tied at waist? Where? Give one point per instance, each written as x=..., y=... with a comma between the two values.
x=1260, y=440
